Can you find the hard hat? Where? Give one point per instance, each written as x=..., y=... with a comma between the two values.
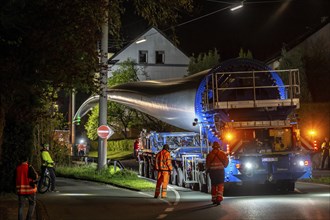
x=45, y=146
x=216, y=145
x=166, y=147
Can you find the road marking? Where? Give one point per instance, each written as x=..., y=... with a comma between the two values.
x=164, y=200
x=161, y=216
x=177, y=195
x=297, y=190
x=169, y=209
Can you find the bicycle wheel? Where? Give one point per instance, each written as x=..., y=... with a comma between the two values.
x=44, y=185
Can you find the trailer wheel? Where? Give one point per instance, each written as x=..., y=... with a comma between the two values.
x=141, y=168
x=146, y=168
x=202, y=183
x=173, y=177
x=208, y=183
x=179, y=177
x=155, y=174
x=195, y=187
x=151, y=172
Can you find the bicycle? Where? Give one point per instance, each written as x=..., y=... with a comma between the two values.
x=44, y=184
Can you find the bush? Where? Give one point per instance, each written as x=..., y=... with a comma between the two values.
x=120, y=145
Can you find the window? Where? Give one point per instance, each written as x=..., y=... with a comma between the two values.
x=160, y=57
x=143, y=56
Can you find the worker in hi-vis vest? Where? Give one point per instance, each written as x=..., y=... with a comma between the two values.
x=164, y=167
x=216, y=161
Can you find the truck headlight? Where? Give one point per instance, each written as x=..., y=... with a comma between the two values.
x=248, y=165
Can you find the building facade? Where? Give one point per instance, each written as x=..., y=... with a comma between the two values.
x=155, y=57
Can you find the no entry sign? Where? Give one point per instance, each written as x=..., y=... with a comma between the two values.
x=104, y=131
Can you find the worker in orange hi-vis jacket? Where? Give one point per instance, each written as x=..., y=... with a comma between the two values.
x=216, y=161
x=163, y=165
x=26, y=186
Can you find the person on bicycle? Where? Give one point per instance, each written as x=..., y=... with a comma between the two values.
x=48, y=163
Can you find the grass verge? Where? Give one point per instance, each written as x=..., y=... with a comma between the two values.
x=323, y=180
x=123, y=178
x=114, y=155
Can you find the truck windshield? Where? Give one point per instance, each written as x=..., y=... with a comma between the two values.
x=265, y=140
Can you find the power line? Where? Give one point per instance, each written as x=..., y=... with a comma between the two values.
x=219, y=10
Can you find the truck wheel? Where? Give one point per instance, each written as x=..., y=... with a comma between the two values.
x=290, y=186
x=179, y=177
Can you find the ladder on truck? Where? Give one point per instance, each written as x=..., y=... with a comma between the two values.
x=190, y=168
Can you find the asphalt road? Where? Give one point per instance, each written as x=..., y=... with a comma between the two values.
x=89, y=200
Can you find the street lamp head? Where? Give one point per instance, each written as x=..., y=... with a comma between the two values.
x=237, y=7
x=141, y=40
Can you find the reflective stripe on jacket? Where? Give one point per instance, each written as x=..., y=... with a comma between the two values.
x=22, y=181
x=46, y=158
x=216, y=159
x=163, y=161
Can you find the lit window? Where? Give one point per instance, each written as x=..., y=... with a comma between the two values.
x=160, y=56
x=143, y=56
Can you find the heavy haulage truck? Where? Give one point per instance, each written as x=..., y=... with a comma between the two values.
x=243, y=104
x=249, y=109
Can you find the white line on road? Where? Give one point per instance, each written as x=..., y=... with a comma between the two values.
x=169, y=209
x=161, y=216
x=177, y=195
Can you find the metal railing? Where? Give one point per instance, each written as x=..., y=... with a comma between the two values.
x=283, y=83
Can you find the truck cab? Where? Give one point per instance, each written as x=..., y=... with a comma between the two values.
x=265, y=152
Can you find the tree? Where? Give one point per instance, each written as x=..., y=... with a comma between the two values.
x=294, y=60
x=317, y=65
x=203, y=61
x=49, y=45
x=243, y=54
x=312, y=60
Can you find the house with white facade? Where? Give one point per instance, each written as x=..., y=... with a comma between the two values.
x=155, y=56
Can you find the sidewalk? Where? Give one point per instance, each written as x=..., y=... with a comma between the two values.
x=9, y=207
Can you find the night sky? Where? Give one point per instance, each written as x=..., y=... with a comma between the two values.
x=260, y=26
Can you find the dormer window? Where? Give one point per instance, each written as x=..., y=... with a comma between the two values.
x=160, y=57
x=143, y=56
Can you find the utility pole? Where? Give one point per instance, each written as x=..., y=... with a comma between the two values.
x=71, y=121
x=102, y=142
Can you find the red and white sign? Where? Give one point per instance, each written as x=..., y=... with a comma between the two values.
x=104, y=131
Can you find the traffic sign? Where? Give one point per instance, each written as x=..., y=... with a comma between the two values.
x=104, y=131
